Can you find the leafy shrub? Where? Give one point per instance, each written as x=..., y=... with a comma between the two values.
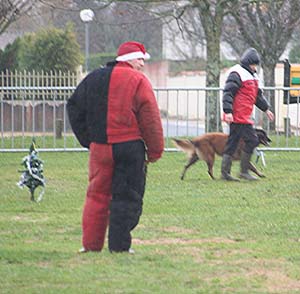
x=49, y=49
x=9, y=58
x=100, y=59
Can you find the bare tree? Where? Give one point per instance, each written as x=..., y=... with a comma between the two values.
x=264, y=24
x=11, y=10
x=186, y=35
x=30, y=14
x=211, y=14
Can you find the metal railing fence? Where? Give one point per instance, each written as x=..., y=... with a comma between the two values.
x=36, y=107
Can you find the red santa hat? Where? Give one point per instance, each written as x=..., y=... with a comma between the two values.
x=132, y=50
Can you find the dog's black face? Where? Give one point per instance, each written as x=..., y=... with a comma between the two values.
x=263, y=137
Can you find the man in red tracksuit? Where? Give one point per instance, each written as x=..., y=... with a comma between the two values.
x=240, y=94
x=114, y=113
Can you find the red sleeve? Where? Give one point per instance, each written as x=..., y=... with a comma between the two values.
x=149, y=121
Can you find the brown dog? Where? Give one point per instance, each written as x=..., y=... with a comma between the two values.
x=206, y=146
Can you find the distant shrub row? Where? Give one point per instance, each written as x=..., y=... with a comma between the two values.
x=49, y=49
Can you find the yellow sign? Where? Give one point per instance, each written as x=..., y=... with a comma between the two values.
x=295, y=79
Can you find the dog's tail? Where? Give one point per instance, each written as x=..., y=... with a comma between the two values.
x=185, y=145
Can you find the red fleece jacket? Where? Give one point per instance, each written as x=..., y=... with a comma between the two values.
x=132, y=110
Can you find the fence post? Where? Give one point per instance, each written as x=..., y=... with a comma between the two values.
x=287, y=126
x=59, y=128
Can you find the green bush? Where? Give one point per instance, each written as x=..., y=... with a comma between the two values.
x=9, y=58
x=49, y=49
x=100, y=59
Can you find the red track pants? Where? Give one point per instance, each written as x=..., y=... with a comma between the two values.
x=96, y=208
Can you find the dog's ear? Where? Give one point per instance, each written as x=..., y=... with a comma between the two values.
x=262, y=133
x=263, y=137
x=259, y=133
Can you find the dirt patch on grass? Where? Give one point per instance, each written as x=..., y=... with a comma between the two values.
x=275, y=274
x=27, y=219
x=178, y=230
x=229, y=264
x=181, y=241
x=279, y=282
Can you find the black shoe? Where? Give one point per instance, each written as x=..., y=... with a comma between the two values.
x=228, y=177
x=248, y=177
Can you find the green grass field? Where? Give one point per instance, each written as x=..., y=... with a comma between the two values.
x=195, y=236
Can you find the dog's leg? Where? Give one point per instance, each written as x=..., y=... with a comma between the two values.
x=210, y=169
x=254, y=169
x=210, y=163
x=192, y=160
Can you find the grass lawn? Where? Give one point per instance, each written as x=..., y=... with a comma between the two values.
x=195, y=236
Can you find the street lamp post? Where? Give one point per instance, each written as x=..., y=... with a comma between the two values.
x=86, y=16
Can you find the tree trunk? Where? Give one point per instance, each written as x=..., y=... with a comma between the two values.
x=213, y=122
x=211, y=19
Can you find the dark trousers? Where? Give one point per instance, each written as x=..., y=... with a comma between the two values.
x=128, y=187
x=241, y=131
